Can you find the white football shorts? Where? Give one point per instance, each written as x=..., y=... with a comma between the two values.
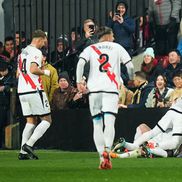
x=35, y=104
x=103, y=102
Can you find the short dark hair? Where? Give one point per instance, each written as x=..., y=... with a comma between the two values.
x=141, y=74
x=38, y=34
x=9, y=38
x=175, y=50
x=103, y=31
x=22, y=34
x=177, y=74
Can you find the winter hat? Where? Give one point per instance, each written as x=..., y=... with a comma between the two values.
x=123, y=2
x=63, y=39
x=149, y=51
x=64, y=75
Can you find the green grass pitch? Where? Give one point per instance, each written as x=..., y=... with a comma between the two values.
x=59, y=166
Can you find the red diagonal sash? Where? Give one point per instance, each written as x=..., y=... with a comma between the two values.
x=26, y=76
x=111, y=75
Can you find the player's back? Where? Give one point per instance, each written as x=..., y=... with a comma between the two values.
x=105, y=59
x=27, y=81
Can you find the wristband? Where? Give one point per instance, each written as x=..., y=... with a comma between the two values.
x=47, y=72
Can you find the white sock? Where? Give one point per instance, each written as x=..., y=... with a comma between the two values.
x=131, y=154
x=109, y=131
x=159, y=152
x=27, y=132
x=38, y=132
x=138, y=133
x=98, y=135
x=131, y=146
x=147, y=136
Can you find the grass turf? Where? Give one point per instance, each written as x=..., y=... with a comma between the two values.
x=58, y=166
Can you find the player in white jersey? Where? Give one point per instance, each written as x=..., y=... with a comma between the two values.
x=103, y=84
x=33, y=100
x=172, y=119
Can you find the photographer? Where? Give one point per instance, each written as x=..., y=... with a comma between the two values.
x=123, y=26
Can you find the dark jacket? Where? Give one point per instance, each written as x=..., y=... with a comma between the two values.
x=64, y=99
x=141, y=95
x=170, y=71
x=123, y=32
x=7, y=82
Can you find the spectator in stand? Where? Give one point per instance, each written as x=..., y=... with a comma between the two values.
x=173, y=67
x=123, y=26
x=66, y=96
x=62, y=50
x=150, y=65
x=160, y=94
x=179, y=47
x=49, y=83
x=75, y=38
x=20, y=41
x=6, y=82
x=89, y=37
x=164, y=18
x=140, y=95
x=1, y=48
x=177, y=92
x=9, y=50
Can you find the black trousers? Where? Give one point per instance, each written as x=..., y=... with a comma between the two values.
x=165, y=40
x=3, y=122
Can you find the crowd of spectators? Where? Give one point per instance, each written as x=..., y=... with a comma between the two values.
x=157, y=84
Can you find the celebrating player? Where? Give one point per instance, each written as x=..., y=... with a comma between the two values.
x=103, y=84
x=171, y=120
x=32, y=97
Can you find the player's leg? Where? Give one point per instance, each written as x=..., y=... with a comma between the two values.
x=109, y=130
x=176, y=138
x=142, y=128
x=164, y=123
x=40, y=130
x=159, y=152
x=98, y=135
x=95, y=102
x=29, y=127
x=39, y=106
x=110, y=109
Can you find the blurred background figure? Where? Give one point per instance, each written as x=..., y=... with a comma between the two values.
x=9, y=49
x=1, y=48
x=122, y=25
x=20, y=41
x=173, y=67
x=164, y=20
x=160, y=94
x=150, y=65
x=49, y=83
x=6, y=82
x=66, y=96
x=62, y=50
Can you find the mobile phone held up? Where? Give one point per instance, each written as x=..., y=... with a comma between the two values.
x=92, y=27
x=117, y=13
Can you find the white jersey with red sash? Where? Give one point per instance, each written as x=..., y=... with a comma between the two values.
x=105, y=59
x=28, y=82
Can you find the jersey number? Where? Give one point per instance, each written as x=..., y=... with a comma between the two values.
x=23, y=69
x=104, y=58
